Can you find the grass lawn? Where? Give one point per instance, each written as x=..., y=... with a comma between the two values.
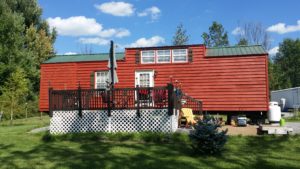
x=19, y=149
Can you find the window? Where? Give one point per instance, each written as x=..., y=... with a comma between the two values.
x=163, y=56
x=145, y=80
x=101, y=78
x=179, y=55
x=148, y=56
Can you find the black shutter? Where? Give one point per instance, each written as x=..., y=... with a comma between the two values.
x=190, y=55
x=92, y=80
x=137, y=57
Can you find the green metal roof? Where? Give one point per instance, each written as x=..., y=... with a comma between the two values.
x=235, y=51
x=83, y=58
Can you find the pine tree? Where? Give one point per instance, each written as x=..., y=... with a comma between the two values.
x=216, y=37
x=208, y=138
x=242, y=42
x=180, y=37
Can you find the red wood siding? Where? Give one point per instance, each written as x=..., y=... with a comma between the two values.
x=238, y=83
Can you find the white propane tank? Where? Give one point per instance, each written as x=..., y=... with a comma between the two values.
x=274, y=113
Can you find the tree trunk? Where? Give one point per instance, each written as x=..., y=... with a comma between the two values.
x=11, y=114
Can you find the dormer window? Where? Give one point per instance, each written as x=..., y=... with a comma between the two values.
x=179, y=55
x=148, y=56
x=163, y=56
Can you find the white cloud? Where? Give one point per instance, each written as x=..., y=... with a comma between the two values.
x=116, y=8
x=122, y=33
x=273, y=51
x=119, y=33
x=70, y=53
x=282, y=28
x=154, y=12
x=238, y=31
x=143, y=42
x=75, y=26
x=82, y=26
x=94, y=41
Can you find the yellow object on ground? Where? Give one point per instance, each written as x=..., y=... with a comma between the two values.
x=188, y=114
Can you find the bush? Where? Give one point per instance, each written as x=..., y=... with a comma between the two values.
x=20, y=110
x=207, y=138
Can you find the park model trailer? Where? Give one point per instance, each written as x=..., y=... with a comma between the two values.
x=228, y=80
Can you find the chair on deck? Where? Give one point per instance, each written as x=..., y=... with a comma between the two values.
x=187, y=113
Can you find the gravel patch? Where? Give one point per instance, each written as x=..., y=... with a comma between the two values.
x=295, y=126
x=249, y=130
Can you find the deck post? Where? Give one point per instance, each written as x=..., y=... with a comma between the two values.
x=50, y=102
x=138, y=100
x=79, y=101
x=170, y=88
x=108, y=104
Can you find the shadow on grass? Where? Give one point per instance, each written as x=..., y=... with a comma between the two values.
x=94, y=154
x=262, y=152
x=93, y=151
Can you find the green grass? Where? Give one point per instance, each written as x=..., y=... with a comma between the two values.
x=19, y=149
x=292, y=119
x=295, y=118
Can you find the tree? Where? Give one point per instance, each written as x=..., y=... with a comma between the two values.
x=25, y=42
x=242, y=42
x=39, y=47
x=180, y=37
x=253, y=33
x=86, y=49
x=11, y=41
x=15, y=90
x=208, y=138
x=216, y=37
x=287, y=64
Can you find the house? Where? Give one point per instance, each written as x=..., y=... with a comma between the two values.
x=228, y=80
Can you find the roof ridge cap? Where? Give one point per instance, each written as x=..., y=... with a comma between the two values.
x=89, y=54
x=233, y=46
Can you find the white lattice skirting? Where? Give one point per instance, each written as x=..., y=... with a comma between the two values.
x=156, y=120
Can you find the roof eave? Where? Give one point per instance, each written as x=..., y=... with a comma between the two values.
x=215, y=56
x=165, y=47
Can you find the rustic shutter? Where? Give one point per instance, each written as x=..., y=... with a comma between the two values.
x=92, y=80
x=137, y=57
x=190, y=55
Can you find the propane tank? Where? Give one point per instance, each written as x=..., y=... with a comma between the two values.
x=274, y=113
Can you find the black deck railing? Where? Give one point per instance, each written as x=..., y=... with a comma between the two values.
x=189, y=102
x=121, y=98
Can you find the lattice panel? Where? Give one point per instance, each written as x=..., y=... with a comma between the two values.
x=156, y=120
x=70, y=122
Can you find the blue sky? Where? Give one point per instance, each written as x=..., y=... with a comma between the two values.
x=90, y=24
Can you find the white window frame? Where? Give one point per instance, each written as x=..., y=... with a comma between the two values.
x=96, y=79
x=154, y=56
x=151, y=76
x=157, y=56
x=186, y=54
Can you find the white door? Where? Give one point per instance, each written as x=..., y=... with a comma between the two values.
x=144, y=78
